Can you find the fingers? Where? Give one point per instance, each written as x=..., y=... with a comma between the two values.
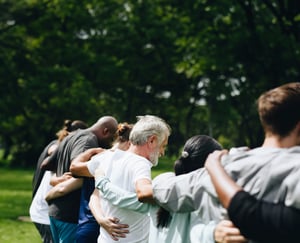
x=217, y=154
x=114, y=237
x=233, y=239
x=226, y=232
x=227, y=223
x=94, y=151
x=118, y=230
x=214, y=157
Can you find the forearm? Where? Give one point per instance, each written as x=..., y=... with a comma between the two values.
x=79, y=167
x=144, y=191
x=64, y=188
x=55, y=180
x=119, y=197
x=111, y=224
x=95, y=207
x=264, y=221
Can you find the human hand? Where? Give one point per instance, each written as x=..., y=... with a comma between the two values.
x=226, y=232
x=87, y=154
x=66, y=176
x=214, y=158
x=115, y=229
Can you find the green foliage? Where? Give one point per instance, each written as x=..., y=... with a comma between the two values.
x=198, y=64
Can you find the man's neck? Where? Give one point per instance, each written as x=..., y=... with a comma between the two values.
x=273, y=141
x=139, y=150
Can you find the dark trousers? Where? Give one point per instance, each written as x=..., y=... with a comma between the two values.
x=87, y=232
x=45, y=232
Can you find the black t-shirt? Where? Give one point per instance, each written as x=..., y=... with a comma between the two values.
x=39, y=172
x=66, y=208
x=262, y=221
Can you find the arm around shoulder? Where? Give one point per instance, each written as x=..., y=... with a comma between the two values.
x=144, y=190
x=79, y=164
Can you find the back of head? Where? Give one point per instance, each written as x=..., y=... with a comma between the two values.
x=105, y=130
x=70, y=126
x=195, y=152
x=123, y=132
x=147, y=126
x=122, y=136
x=279, y=109
x=77, y=124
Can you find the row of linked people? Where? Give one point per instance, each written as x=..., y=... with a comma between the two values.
x=244, y=195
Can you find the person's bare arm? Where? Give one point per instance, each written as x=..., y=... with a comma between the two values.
x=144, y=191
x=225, y=187
x=111, y=224
x=78, y=165
x=58, y=179
x=64, y=188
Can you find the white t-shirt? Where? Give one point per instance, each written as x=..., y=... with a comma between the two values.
x=123, y=169
x=39, y=207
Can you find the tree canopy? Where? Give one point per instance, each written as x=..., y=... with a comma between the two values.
x=198, y=64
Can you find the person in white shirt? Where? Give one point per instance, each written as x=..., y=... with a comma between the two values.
x=131, y=170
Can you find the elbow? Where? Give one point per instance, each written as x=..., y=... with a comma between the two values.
x=74, y=169
x=61, y=190
x=143, y=196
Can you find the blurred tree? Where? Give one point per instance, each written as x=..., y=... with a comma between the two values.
x=199, y=64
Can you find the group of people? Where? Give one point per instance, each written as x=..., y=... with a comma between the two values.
x=102, y=190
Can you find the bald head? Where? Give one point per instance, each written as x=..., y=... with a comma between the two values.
x=105, y=130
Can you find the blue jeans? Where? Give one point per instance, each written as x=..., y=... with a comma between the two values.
x=88, y=232
x=62, y=232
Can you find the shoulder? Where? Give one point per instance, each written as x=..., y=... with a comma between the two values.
x=162, y=178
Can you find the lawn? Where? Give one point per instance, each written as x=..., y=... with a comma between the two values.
x=15, y=198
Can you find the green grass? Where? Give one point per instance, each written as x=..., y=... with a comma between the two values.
x=15, y=198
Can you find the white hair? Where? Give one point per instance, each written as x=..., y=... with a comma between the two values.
x=147, y=126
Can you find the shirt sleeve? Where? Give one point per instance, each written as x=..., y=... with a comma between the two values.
x=203, y=232
x=119, y=197
x=181, y=193
x=82, y=144
x=264, y=221
x=92, y=165
x=142, y=170
x=95, y=162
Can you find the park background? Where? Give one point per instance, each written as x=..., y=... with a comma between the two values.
x=199, y=64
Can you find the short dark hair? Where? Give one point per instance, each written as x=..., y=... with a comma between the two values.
x=279, y=110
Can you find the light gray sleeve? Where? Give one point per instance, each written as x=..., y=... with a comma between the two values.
x=182, y=193
x=203, y=232
x=120, y=197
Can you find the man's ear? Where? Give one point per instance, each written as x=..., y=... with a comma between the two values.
x=105, y=131
x=152, y=140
